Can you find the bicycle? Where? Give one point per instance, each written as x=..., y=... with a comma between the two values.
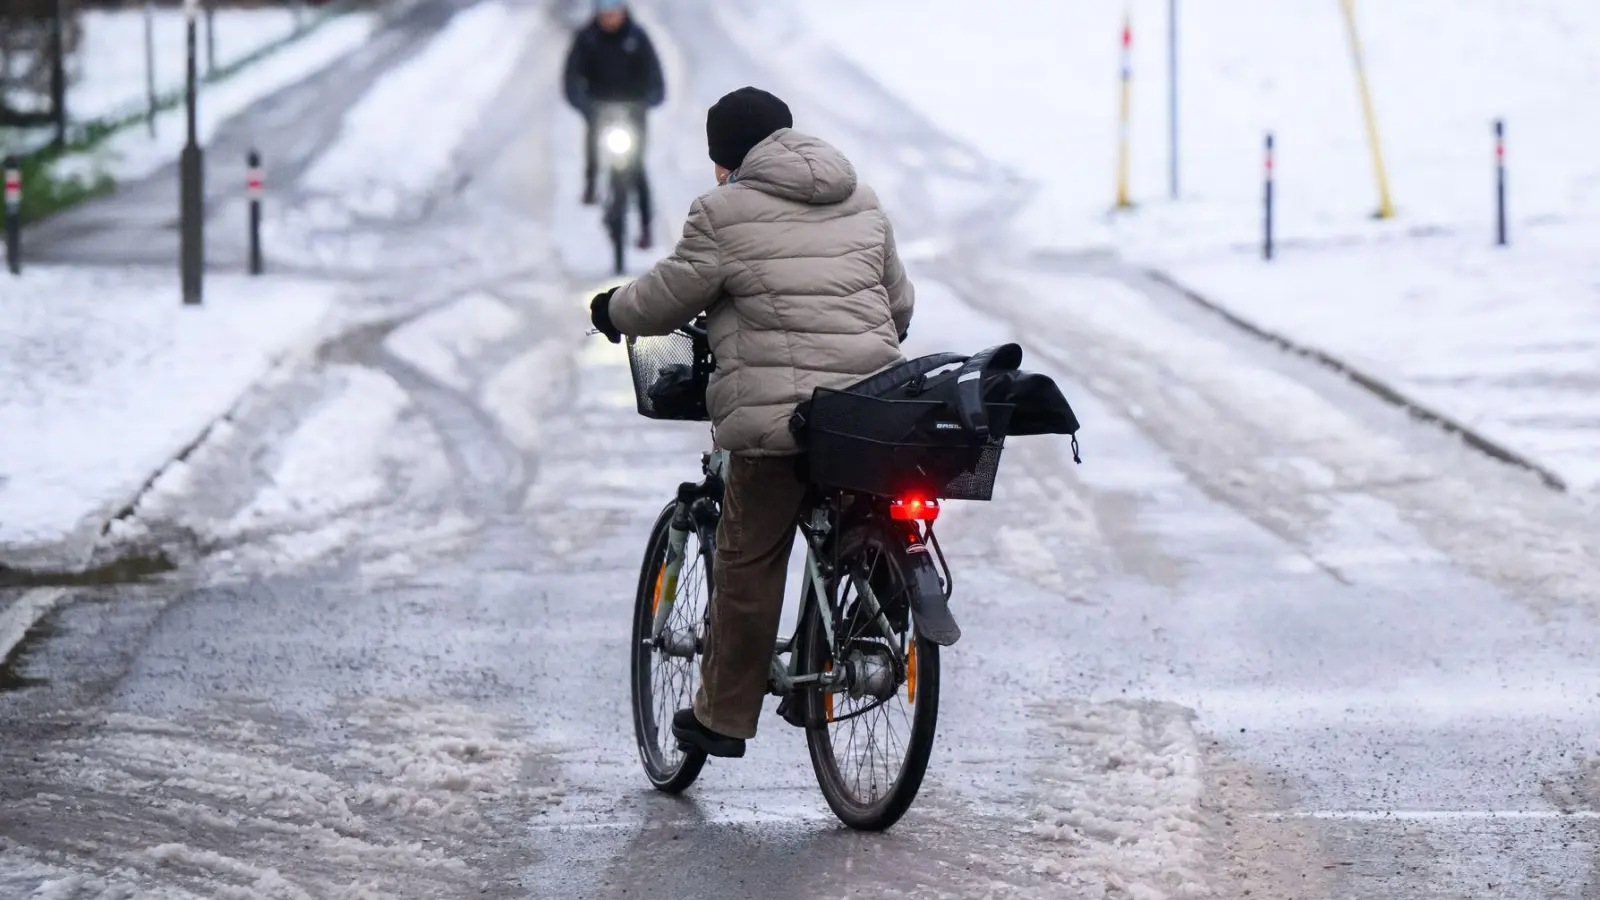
x=620, y=126
x=875, y=604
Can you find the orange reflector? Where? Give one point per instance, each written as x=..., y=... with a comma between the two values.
x=914, y=510
x=911, y=672
x=827, y=695
x=655, y=602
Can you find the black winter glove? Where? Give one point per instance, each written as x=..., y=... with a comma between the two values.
x=600, y=315
x=902, y=336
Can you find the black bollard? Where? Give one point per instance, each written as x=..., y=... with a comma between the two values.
x=255, y=186
x=1266, y=241
x=13, y=210
x=1500, y=182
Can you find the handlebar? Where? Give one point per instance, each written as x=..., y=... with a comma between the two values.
x=691, y=330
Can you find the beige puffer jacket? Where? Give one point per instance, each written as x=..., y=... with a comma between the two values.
x=795, y=264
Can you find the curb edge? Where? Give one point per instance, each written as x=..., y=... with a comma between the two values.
x=1371, y=383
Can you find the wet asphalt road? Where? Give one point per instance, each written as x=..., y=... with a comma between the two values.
x=1271, y=640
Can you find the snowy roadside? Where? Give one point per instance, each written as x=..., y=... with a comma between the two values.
x=112, y=78
x=116, y=382
x=1508, y=344
x=108, y=377
x=1502, y=341
x=132, y=153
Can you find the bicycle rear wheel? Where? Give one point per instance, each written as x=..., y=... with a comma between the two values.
x=871, y=742
x=667, y=673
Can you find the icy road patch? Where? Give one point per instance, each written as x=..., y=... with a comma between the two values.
x=237, y=807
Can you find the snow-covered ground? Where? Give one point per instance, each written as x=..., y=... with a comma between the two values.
x=1508, y=344
x=1498, y=337
x=381, y=158
x=112, y=70
x=107, y=376
x=132, y=153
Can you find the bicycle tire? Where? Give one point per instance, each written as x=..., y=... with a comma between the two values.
x=654, y=737
x=617, y=220
x=881, y=812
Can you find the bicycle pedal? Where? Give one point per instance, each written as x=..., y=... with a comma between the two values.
x=792, y=711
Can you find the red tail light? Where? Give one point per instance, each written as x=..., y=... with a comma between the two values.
x=914, y=510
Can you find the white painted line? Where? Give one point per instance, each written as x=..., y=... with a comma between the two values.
x=17, y=619
x=1423, y=815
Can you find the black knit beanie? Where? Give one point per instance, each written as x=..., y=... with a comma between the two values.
x=742, y=120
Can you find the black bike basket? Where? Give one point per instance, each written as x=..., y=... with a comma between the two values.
x=900, y=448
x=670, y=374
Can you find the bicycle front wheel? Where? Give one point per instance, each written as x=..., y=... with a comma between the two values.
x=666, y=672
x=871, y=740
x=617, y=221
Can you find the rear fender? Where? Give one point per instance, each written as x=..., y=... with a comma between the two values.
x=929, y=604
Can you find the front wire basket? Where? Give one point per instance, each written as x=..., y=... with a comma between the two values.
x=670, y=376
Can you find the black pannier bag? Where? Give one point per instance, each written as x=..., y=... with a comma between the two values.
x=932, y=427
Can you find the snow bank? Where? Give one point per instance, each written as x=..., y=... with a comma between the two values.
x=1123, y=802
x=106, y=376
x=1508, y=344
x=1036, y=86
x=131, y=153
x=382, y=159
x=112, y=67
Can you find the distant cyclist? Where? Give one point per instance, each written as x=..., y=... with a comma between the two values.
x=613, y=61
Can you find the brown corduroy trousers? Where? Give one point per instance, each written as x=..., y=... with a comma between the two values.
x=760, y=513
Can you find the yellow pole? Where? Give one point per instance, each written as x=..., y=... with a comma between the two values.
x=1385, y=206
x=1122, y=136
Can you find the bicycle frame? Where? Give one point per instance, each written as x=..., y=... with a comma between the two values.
x=785, y=677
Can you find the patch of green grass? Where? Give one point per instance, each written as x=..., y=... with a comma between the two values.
x=48, y=191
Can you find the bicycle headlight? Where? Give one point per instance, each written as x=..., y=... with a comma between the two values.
x=618, y=140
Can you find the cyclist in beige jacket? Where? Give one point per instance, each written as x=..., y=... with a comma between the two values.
x=794, y=264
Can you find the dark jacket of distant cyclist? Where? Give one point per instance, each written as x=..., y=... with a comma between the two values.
x=613, y=66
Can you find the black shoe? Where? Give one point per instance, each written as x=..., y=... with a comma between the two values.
x=588, y=196
x=692, y=735
x=645, y=241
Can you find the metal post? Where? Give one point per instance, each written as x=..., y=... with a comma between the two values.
x=150, y=65
x=192, y=174
x=1500, y=182
x=1266, y=242
x=255, y=186
x=211, y=37
x=1385, y=204
x=1123, y=202
x=13, y=210
x=1172, y=96
x=58, y=73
